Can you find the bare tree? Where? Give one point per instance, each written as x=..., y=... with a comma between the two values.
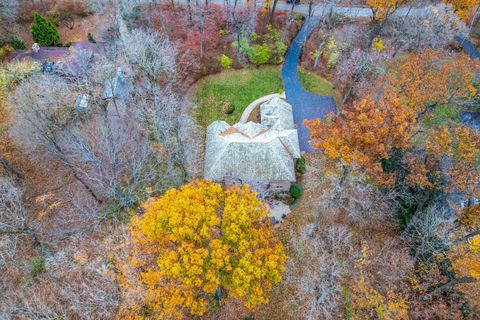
x=315, y=271
x=154, y=55
x=330, y=20
x=72, y=285
x=435, y=31
x=95, y=135
x=9, y=169
x=357, y=71
x=429, y=231
x=14, y=220
x=242, y=21
x=45, y=104
x=8, y=15
x=171, y=125
x=201, y=19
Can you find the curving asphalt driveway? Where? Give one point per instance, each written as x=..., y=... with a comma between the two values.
x=471, y=119
x=467, y=46
x=305, y=105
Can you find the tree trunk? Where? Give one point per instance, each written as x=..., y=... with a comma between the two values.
x=320, y=47
x=238, y=47
x=348, y=92
x=272, y=13
x=190, y=17
x=472, y=22
x=375, y=29
x=293, y=6
x=446, y=286
x=8, y=168
x=43, y=6
x=310, y=8
x=201, y=28
x=71, y=168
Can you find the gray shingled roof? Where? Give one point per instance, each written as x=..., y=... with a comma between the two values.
x=253, y=151
x=277, y=114
x=115, y=87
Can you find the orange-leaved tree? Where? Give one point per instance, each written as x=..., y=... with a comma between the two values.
x=467, y=261
x=364, y=134
x=430, y=78
x=382, y=9
x=368, y=131
x=198, y=241
x=469, y=216
x=465, y=252
x=461, y=145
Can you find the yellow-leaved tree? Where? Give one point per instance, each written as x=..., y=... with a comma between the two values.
x=465, y=9
x=466, y=260
x=195, y=242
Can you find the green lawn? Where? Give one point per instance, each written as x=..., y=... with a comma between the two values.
x=235, y=88
x=318, y=85
x=441, y=115
x=238, y=88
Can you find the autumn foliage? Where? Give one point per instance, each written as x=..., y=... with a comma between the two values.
x=461, y=145
x=363, y=135
x=383, y=8
x=194, y=242
x=466, y=258
x=431, y=77
x=367, y=132
x=465, y=9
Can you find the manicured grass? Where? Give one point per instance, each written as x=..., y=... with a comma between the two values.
x=318, y=85
x=442, y=114
x=235, y=88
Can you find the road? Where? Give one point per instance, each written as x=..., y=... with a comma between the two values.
x=318, y=10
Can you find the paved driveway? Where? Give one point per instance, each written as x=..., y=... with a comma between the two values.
x=305, y=104
x=310, y=106
x=471, y=119
x=467, y=46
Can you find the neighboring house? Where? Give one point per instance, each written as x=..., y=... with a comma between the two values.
x=82, y=104
x=261, y=154
x=65, y=61
x=115, y=87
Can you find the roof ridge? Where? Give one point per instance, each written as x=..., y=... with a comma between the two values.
x=281, y=161
x=290, y=153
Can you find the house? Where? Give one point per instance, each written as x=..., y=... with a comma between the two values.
x=65, y=61
x=277, y=114
x=115, y=87
x=260, y=154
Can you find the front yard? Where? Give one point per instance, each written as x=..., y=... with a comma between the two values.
x=225, y=95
